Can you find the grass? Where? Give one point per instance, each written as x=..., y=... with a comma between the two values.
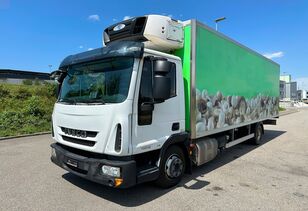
x=25, y=109
x=281, y=109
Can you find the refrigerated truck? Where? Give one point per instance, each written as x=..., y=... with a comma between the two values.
x=159, y=97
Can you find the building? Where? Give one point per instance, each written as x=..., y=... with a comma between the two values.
x=18, y=76
x=302, y=95
x=282, y=90
x=286, y=78
x=291, y=91
x=287, y=88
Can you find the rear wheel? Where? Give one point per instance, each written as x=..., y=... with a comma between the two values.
x=172, y=167
x=257, y=139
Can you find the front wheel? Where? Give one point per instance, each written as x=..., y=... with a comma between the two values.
x=172, y=167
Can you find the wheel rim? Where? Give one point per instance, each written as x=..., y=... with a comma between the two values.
x=174, y=166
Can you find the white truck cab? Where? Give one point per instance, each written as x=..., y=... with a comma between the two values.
x=118, y=105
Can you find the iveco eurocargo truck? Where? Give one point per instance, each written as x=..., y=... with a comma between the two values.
x=159, y=97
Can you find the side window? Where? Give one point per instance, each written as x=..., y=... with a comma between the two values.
x=145, y=93
x=172, y=75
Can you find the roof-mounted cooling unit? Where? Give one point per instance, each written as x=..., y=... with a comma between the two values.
x=156, y=31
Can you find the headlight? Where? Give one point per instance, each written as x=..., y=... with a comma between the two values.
x=53, y=153
x=111, y=171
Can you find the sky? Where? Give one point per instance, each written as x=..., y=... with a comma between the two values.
x=36, y=35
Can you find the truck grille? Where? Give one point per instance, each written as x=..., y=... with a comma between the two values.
x=78, y=141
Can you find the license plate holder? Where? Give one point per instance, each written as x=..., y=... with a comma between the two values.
x=72, y=162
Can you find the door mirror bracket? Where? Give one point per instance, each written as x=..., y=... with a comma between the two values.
x=147, y=107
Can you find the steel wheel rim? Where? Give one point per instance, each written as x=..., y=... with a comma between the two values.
x=174, y=166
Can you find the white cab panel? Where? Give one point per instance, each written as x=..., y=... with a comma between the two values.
x=150, y=137
x=102, y=119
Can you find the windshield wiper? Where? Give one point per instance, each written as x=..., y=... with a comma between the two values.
x=93, y=101
x=68, y=101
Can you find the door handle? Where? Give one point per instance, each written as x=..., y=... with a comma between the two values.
x=175, y=126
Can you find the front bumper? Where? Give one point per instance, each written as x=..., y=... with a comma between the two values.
x=90, y=168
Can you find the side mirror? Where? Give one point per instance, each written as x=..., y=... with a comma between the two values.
x=161, y=80
x=55, y=75
x=161, y=88
x=58, y=75
x=162, y=66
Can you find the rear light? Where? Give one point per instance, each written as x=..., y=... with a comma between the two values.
x=118, y=139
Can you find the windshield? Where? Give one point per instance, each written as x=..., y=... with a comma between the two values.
x=99, y=82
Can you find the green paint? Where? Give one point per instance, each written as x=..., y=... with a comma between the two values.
x=248, y=84
x=184, y=54
x=224, y=66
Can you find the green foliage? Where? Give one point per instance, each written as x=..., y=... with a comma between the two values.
x=4, y=92
x=27, y=82
x=50, y=90
x=25, y=109
x=23, y=93
x=281, y=109
x=35, y=107
x=37, y=82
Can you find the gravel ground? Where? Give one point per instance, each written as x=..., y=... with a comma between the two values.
x=273, y=176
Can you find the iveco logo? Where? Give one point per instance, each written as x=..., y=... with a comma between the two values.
x=78, y=133
x=119, y=27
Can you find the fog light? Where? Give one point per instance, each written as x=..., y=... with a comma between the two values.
x=111, y=171
x=53, y=153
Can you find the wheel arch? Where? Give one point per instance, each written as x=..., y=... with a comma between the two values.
x=181, y=140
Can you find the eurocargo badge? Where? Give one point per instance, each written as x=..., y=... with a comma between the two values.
x=119, y=27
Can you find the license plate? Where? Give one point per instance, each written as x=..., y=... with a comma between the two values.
x=72, y=162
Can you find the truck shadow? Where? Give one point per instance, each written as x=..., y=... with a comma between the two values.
x=147, y=192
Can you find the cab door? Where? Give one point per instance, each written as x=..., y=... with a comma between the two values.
x=152, y=127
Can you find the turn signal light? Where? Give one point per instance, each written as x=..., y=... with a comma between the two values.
x=191, y=149
x=118, y=182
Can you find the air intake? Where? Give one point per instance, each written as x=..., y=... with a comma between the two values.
x=118, y=139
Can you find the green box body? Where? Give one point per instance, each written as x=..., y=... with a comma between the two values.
x=227, y=85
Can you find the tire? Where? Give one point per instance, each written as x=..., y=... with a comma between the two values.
x=257, y=139
x=172, y=167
